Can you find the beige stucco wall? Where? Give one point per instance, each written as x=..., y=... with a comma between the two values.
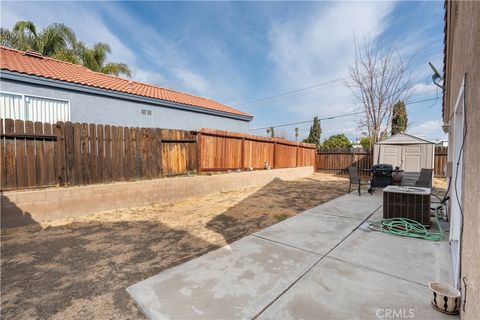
x=463, y=56
x=23, y=207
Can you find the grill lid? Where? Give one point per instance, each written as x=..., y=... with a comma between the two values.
x=382, y=167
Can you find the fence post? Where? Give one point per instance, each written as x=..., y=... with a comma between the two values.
x=159, y=147
x=353, y=158
x=69, y=151
x=296, y=155
x=3, y=175
x=60, y=155
x=274, y=153
x=242, y=160
x=10, y=162
x=199, y=152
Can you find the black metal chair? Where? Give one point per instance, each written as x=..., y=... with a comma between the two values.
x=355, y=179
x=425, y=178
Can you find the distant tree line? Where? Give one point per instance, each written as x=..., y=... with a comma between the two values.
x=337, y=141
x=399, y=121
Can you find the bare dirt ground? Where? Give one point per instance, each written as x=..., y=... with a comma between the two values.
x=440, y=183
x=79, y=268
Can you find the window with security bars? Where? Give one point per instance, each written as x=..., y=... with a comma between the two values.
x=33, y=108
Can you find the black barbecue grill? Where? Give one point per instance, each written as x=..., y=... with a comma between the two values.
x=381, y=176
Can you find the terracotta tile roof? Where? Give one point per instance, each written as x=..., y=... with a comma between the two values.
x=18, y=61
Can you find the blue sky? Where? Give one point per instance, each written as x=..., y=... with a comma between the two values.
x=237, y=52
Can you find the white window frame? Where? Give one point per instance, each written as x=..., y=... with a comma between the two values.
x=457, y=124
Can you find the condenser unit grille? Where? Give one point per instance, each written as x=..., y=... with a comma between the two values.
x=405, y=205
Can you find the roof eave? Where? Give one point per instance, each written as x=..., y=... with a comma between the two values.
x=27, y=78
x=420, y=140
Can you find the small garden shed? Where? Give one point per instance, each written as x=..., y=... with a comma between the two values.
x=406, y=151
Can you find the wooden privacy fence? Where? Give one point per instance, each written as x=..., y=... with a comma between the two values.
x=223, y=150
x=41, y=154
x=337, y=161
x=441, y=158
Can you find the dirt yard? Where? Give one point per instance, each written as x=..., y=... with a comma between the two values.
x=79, y=268
x=440, y=183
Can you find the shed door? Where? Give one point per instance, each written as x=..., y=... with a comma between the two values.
x=412, y=158
x=391, y=155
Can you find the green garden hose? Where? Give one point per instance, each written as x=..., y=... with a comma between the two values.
x=408, y=227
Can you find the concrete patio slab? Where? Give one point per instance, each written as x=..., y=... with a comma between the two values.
x=377, y=216
x=350, y=206
x=416, y=260
x=236, y=281
x=318, y=234
x=339, y=290
x=321, y=264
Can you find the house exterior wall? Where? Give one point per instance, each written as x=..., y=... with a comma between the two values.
x=462, y=57
x=93, y=108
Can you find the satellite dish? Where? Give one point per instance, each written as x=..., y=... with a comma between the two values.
x=436, y=75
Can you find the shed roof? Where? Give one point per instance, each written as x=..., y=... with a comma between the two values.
x=36, y=65
x=404, y=138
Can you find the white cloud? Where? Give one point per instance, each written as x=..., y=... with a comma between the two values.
x=302, y=50
x=431, y=129
x=423, y=88
x=318, y=48
x=88, y=25
x=147, y=76
x=168, y=59
x=192, y=80
x=322, y=45
x=172, y=54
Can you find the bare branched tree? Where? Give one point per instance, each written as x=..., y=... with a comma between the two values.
x=379, y=78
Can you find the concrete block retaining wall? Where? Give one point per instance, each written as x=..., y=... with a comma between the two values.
x=24, y=207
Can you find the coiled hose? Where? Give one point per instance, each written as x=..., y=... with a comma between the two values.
x=408, y=227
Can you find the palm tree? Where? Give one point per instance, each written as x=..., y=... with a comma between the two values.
x=59, y=41
x=94, y=58
x=55, y=40
x=22, y=37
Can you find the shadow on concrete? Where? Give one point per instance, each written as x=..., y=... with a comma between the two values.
x=12, y=215
x=81, y=270
x=273, y=203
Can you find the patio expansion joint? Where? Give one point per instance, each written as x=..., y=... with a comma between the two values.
x=287, y=245
x=346, y=217
x=376, y=270
x=313, y=265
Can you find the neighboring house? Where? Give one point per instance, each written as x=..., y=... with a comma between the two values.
x=356, y=144
x=441, y=143
x=461, y=117
x=38, y=88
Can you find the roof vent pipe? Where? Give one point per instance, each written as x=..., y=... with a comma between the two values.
x=33, y=54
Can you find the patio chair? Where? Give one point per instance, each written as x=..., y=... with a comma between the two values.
x=425, y=178
x=355, y=179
